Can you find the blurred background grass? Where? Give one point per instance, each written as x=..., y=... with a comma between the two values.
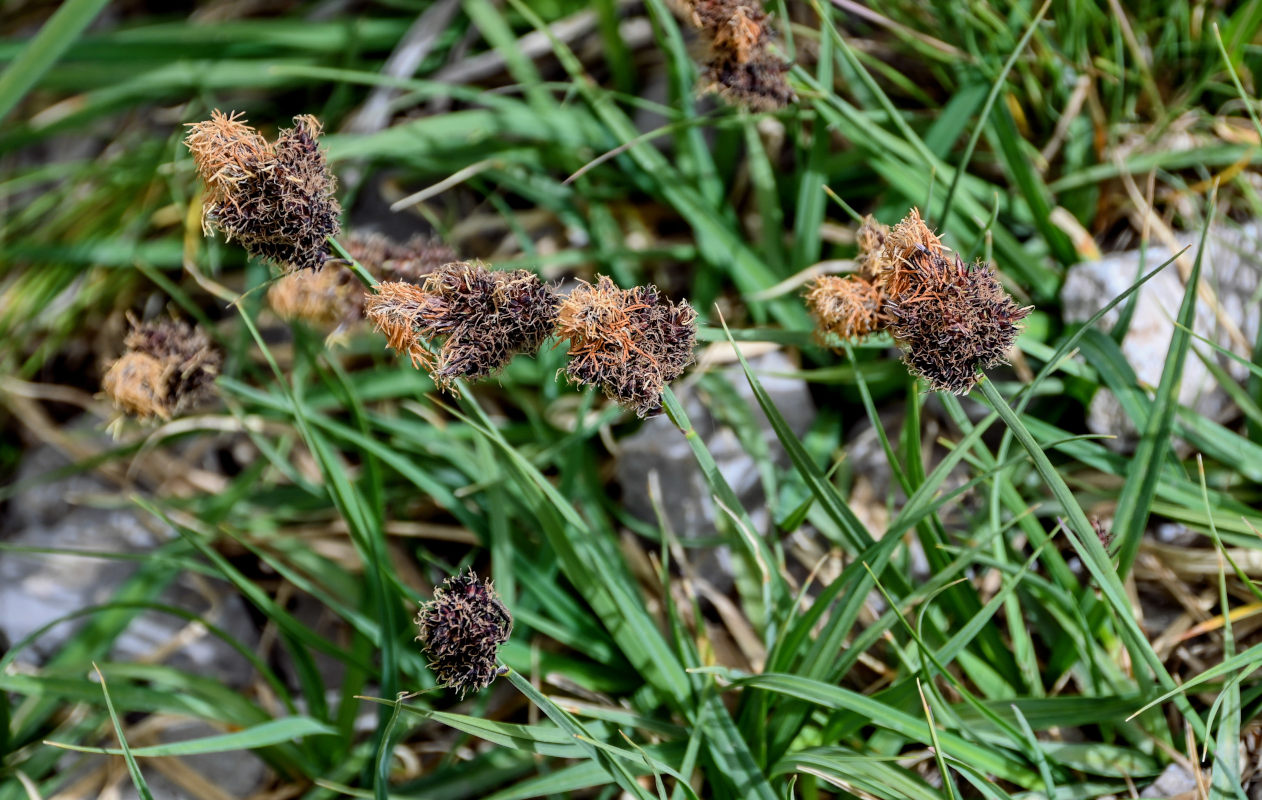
x=942, y=637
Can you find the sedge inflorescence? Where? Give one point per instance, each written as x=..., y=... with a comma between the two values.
x=169, y=367
x=739, y=63
x=484, y=317
x=950, y=319
x=461, y=630
x=333, y=297
x=628, y=342
x=275, y=198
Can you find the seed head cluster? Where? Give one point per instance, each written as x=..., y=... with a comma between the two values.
x=484, y=317
x=739, y=63
x=628, y=342
x=333, y=297
x=949, y=318
x=275, y=198
x=461, y=630
x=168, y=367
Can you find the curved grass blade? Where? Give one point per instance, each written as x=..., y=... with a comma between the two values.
x=137, y=778
x=277, y=731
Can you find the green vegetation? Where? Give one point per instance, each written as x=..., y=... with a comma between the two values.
x=968, y=633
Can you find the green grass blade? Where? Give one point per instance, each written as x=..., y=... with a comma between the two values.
x=43, y=50
x=1131, y=518
x=137, y=778
x=262, y=735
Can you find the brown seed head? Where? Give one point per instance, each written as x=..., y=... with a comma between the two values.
x=461, y=630
x=628, y=342
x=871, y=238
x=484, y=317
x=327, y=298
x=954, y=320
x=395, y=310
x=739, y=64
x=277, y=199
x=168, y=368
x=846, y=307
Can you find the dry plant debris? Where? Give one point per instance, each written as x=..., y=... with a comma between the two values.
x=628, y=342
x=484, y=317
x=169, y=367
x=275, y=198
x=739, y=64
x=950, y=319
x=461, y=630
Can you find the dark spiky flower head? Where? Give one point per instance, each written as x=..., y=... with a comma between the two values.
x=461, y=630
x=169, y=367
x=276, y=199
x=484, y=317
x=739, y=63
x=628, y=342
x=954, y=320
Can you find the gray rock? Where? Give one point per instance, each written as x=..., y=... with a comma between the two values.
x=1232, y=266
x=38, y=588
x=1172, y=782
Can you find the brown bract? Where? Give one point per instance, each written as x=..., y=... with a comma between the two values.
x=628, y=342
x=739, y=63
x=169, y=367
x=483, y=317
x=907, y=250
x=276, y=199
x=461, y=630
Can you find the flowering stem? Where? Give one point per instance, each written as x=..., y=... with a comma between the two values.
x=361, y=273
